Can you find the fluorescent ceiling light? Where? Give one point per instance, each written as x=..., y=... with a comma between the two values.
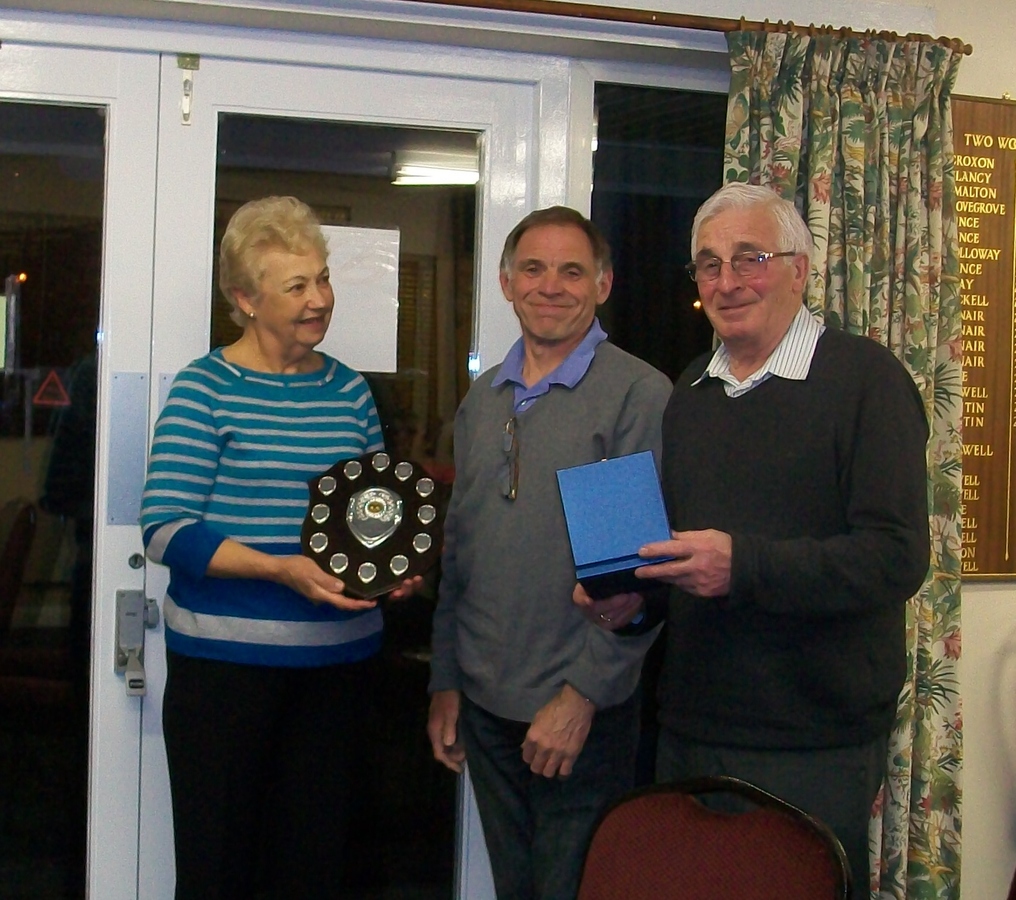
x=432, y=167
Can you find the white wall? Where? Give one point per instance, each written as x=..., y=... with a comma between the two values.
x=905, y=15
x=988, y=683
x=988, y=26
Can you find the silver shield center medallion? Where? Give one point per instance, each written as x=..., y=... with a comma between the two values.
x=373, y=515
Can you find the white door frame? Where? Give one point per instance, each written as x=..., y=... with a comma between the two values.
x=505, y=112
x=124, y=84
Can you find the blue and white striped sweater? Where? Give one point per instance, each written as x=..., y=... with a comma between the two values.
x=232, y=454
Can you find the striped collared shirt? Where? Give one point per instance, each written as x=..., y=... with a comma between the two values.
x=791, y=359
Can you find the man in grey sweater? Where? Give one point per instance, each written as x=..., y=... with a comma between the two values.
x=539, y=701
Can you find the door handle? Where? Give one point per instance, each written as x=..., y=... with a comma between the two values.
x=134, y=613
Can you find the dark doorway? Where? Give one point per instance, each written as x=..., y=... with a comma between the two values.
x=52, y=174
x=659, y=154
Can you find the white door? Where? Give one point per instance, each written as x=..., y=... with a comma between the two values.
x=364, y=88
x=59, y=186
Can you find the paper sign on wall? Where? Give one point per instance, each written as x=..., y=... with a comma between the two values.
x=364, y=266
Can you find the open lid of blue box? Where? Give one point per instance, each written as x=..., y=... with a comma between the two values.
x=612, y=508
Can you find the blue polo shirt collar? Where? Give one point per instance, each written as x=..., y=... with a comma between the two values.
x=571, y=371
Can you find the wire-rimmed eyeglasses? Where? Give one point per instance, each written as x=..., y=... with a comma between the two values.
x=510, y=445
x=747, y=264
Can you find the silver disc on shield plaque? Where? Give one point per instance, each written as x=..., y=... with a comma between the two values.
x=373, y=515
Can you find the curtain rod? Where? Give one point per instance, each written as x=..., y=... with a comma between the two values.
x=681, y=20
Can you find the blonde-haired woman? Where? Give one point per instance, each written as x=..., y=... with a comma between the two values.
x=268, y=660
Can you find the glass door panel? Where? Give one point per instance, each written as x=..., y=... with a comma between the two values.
x=346, y=172
x=77, y=181
x=658, y=156
x=402, y=839
x=51, y=221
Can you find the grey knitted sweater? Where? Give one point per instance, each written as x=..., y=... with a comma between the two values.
x=506, y=631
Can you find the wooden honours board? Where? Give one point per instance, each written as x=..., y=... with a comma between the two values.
x=984, y=143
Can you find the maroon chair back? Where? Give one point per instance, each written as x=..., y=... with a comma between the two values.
x=661, y=842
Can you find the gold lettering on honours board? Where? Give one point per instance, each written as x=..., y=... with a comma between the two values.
x=985, y=145
x=980, y=253
x=985, y=209
x=1004, y=142
x=965, y=176
x=968, y=562
x=973, y=413
x=976, y=192
x=976, y=162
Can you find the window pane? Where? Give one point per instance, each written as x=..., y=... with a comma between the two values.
x=402, y=839
x=659, y=154
x=51, y=170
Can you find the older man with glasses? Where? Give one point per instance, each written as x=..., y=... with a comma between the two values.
x=540, y=703
x=795, y=478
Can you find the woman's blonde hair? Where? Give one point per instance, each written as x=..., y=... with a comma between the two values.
x=281, y=223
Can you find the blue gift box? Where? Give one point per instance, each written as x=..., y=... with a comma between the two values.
x=612, y=508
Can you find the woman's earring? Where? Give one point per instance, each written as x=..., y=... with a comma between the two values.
x=251, y=314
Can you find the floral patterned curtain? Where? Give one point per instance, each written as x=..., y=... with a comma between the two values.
x=858, y=132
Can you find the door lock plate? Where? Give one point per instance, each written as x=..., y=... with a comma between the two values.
x=134, y=613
